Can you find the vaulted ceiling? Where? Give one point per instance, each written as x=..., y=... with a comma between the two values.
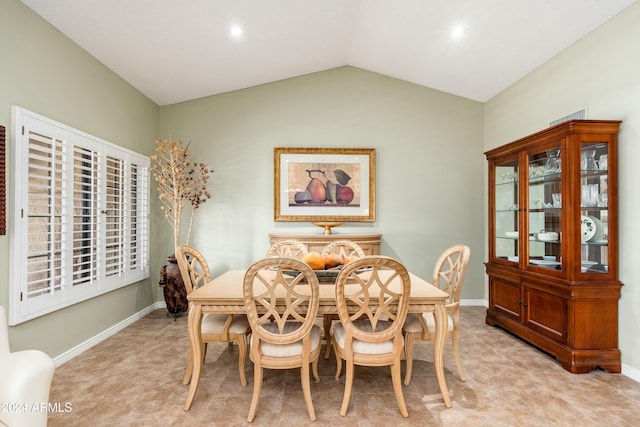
x=174, y=51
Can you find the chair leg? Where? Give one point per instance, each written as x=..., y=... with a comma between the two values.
x=242, y=356
x=396, y=378
x=348, y=383
x=306, y=390
x=456, y=354
x=328, y=319
x=314, y=365
x=338, y=364
x=257, y=386
x=409, y=338
x=187, y=375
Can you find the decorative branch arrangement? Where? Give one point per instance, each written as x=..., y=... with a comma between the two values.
x=181, y=181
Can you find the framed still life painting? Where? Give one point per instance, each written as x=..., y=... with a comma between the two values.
x=324, y=184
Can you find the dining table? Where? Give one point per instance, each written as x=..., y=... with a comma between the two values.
x=224, y=295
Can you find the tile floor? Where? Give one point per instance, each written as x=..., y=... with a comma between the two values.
x=135, y=379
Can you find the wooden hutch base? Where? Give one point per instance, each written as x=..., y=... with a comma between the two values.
x=548, y=311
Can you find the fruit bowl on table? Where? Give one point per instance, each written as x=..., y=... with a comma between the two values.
x=329, y=275
x=322, y=275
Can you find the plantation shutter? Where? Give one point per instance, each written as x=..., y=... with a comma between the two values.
x=46, y=203
x=114, y=217
x=86, y=172
x=139, y=225
x=3, y=182
x=81, y=217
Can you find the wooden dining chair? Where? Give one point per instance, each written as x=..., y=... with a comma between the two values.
x=349, y=251
x=281, y=297
x=288, y=248
x=372, y=296
x=344, y=248
x=215, y=327
x=448, y=274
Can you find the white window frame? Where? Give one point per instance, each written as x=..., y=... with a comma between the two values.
x=80, y=223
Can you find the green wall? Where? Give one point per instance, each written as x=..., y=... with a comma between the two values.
x=430, y=166
x=428, y=145
x=46, y=73
x=601, y=73
x=429, y=170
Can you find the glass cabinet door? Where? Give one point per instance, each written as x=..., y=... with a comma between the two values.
x=544, y=213
x=506, y=208
x=594, y=213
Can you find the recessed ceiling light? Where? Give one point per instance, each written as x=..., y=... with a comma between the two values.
x=236, y=31
x=457, y=31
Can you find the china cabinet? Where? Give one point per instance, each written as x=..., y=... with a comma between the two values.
x=553, y=242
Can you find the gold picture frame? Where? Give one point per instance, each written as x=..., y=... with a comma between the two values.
x=324, y=184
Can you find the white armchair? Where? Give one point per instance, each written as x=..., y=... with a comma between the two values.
x=25, y=380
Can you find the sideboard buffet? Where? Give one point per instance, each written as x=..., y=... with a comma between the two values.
x=370, y=243
x=553, y=242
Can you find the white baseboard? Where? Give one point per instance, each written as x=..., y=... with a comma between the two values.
x=81, y=348
x=630, y=372
x=473, y=302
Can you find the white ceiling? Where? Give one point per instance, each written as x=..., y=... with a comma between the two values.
x=175, y=51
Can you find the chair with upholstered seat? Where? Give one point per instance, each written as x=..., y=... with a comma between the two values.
x=25, y=381
x=372, y=296
x=281, y=297
x=448, y=274
x=215, y=327
x=288, y=248
x=349, y=251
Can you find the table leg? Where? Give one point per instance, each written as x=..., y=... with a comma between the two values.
x=438, y=351
x=195, y=344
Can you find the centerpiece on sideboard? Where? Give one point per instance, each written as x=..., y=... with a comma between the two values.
x=328, y=225
x=182, y=187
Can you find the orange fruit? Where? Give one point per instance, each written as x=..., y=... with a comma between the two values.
x=314, y=260
x=347, y=260
x=332, y=260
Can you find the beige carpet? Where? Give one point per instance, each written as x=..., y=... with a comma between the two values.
x=135, y=379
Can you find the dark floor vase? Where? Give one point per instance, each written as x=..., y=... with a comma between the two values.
x=175, y=294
